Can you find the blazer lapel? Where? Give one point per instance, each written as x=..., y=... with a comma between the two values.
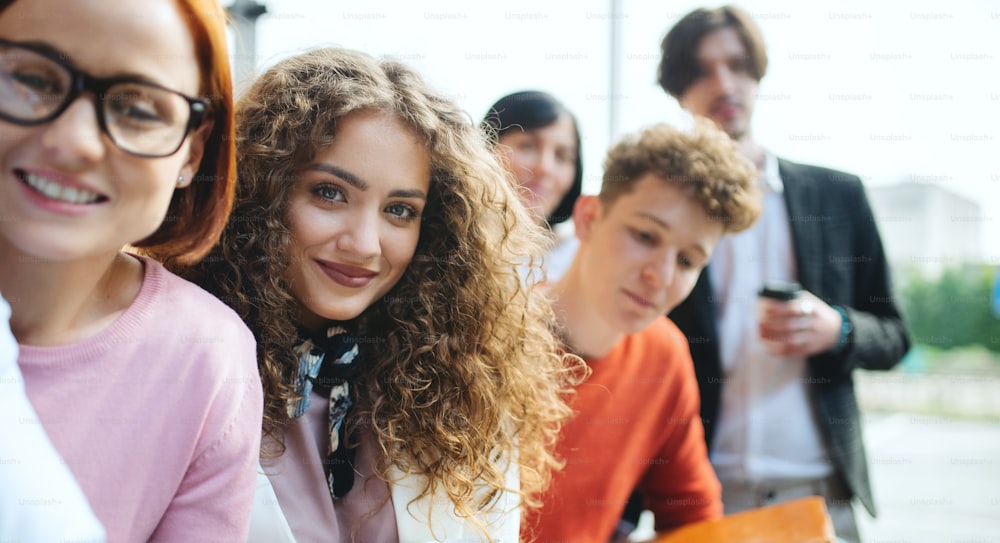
x=804, y=217
x=412, y=514
x=706, y=319
x=267, y=521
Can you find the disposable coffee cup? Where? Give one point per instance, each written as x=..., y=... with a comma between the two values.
x=775, y=292
x=780, y=291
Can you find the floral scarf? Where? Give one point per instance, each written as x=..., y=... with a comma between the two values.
x=326, y=367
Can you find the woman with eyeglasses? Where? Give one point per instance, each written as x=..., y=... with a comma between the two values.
x=412, y=386
x=115, y=130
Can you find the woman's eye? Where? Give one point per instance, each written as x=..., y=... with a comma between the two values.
x=140, y=113
x=402, y=212
x=684, y=262
x=328, y=192
x=142, y=107
x=566, y=157
x=37, y=83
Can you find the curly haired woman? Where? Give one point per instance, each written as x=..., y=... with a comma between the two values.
x=412, y=390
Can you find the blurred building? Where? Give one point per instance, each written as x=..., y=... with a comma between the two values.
x=926, y=228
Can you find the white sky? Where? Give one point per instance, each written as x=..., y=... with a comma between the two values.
x=899, y=91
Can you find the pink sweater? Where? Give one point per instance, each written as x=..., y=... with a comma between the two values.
x=158, y=416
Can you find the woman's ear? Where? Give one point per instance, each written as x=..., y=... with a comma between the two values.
x=197, y=141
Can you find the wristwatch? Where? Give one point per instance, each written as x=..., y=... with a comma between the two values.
x=846, y=329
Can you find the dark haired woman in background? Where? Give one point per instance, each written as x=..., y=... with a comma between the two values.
x=539, y=141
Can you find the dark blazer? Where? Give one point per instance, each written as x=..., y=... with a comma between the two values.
x=840, y=259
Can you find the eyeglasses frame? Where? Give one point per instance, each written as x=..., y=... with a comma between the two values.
x=81, y=82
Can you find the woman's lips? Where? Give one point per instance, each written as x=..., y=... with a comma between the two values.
x=347, y=275
x=58, y=194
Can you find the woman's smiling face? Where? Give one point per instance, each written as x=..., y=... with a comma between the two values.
x=354, y=216
x=66, y=190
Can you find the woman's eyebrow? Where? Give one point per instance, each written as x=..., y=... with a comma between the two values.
x=347, y=176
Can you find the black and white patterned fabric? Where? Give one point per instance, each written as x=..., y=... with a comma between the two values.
x=327, y=368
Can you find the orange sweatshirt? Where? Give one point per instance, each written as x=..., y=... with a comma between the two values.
x=636, y=426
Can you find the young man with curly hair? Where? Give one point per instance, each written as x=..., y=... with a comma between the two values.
x=667, y=197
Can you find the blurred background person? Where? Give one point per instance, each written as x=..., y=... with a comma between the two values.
x=778, y=402
x=539, y=142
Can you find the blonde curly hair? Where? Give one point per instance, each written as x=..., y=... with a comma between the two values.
x=469, y=373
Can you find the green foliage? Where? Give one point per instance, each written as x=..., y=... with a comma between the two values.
x=953, y=310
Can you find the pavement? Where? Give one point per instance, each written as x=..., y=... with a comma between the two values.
x=936, y=480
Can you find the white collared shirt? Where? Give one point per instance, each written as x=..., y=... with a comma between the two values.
x=766, y=429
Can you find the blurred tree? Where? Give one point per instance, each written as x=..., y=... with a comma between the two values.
x=954, y=310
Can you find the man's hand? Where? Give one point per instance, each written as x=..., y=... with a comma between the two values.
x=802, y=327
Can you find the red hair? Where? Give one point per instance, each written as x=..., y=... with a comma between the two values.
x=198, y=213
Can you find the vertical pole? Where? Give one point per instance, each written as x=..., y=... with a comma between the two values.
x=245, y=14
x=614, y=69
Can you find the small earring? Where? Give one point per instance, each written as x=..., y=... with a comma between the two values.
x=180, y=180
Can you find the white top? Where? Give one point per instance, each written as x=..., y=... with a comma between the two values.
x=292, y=501
x=561, y=252
x=766, y=429
x=40, y=500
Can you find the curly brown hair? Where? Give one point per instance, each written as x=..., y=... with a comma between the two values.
x=704, y=160
x=468, y=373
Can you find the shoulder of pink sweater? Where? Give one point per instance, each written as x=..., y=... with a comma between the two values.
x=176, y=292
x=187, y=304
x=218, y=340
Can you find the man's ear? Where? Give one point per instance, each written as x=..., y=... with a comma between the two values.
x=587, y=210
x=197, y=141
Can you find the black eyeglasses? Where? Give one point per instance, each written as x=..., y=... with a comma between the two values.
x=141, y=118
